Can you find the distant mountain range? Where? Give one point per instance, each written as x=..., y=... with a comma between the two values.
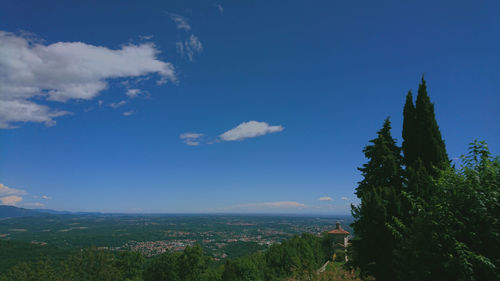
x=15, y=212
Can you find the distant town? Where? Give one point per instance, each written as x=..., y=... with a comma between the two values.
x=221, y=236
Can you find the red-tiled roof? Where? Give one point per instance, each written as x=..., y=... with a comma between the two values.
x=338, y=231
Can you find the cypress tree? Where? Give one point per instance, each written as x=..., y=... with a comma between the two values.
x=430, y=145
x=409, y=131
x=379, y=192
x=422, y=139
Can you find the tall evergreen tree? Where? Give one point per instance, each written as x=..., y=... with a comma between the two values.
x=409, y=131
x=430, y=145
x=423, y=147
x=379, y=192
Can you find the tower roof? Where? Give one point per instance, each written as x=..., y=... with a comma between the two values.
x=339, y=230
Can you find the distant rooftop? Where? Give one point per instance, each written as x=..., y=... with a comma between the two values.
x=339, y=230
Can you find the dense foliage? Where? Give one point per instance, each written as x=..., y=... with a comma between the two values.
x=14, y=252
x=455, y=235
x=298, y=257
x=437, y=222
x=379, y=192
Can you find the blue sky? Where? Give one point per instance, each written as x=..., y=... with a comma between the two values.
x=230, y=106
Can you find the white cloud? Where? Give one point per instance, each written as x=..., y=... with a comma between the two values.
x=128, y=113
x=132, y=93
x=191, y=142
x=46, y=197
x=10, y=200
x=189, y=47
x=325, y=198
x=63, y=71
x=146, y=37
x=243, y=131
x=344, y=198
x=250, y=129
x=117, y=104
x=5, y=190
x=21, y=110
x=191, y=139
x=190, y=135
x=180, y=21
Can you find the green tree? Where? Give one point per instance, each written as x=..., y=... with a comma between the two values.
x=192, y=263
x=409, y=146
x=242, y=269
x=421, y=135
x=92, y=265
x=456, y=236
x=379, y=192
x=189, y=265
x=131, y=265
x=42, y=270
x=163, y=268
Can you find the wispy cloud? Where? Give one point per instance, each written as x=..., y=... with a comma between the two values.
x=250, y=129
x=180, y=21
x=243, y=131
x=5, y=190
x=46, y=197
x=63, y=71
x=117, y=104
x=146, y=37
x=344, y=198
x=325, y=198
x=189, y=47
x=129, y=113
x=190, y=135
x=133, y=93
x=20, y=110
x=10, y=196
x=220, y=8
x=191, y=139
x=10, y=200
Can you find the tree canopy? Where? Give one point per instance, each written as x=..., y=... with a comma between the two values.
x=429, y=221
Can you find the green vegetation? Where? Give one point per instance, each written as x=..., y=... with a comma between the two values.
x=255, y=247
x=379, y=192
x=297, y=258
x=15, y=252
x=90, y=264
x=419, y=217
x=337, y=272
x=220, y=236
